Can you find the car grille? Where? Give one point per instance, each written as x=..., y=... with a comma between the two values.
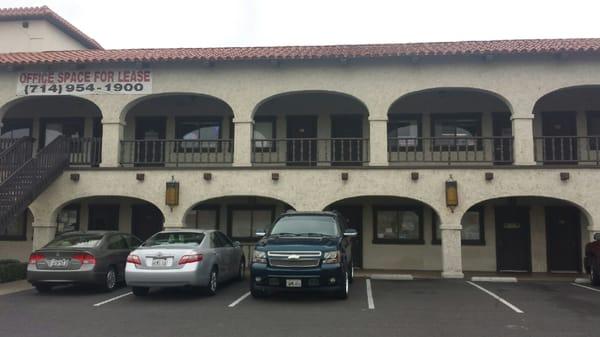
x=294, y=259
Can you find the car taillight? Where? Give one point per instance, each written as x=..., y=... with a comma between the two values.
x=36, y=257
x=85, y=258
x=190, y=258
x=134, y=259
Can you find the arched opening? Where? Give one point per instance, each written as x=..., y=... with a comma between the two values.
x=450, y=125
x=16, y=237
x=393, y=232
x=178, y=130
x=567, y=126
x=524, y=234
x=47, y=117
x=237, y=216
x=125, y=214
x=311, y=128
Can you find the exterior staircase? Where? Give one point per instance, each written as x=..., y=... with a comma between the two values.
x=23, y=175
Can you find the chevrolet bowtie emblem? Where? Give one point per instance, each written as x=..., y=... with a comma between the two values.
x=294, y=257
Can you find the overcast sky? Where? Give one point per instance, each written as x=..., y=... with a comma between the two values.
x=217, y=23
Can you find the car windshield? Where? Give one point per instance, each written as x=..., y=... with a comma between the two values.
x=76, y=241
x=308, y=225
x=179, y=238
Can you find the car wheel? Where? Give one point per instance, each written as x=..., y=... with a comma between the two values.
x=211, y=289
x=42, y=287
x=140, y=291
x=257, y=293
x=110, y=279
x=241, y=270
x=595, y=273
x=351, y=275
x=342, y=293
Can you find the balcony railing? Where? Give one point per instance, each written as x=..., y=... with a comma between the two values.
x=176, y=152
x=85, y=151
x=311, y=151
x=450, y=150
x=567, y=150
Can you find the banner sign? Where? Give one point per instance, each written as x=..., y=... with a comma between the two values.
x=85, y=82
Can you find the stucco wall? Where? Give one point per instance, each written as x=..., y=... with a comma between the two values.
x=39, y=36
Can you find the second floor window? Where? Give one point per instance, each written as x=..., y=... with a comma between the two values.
x=456, y=130
x=264, y=129
x=593, y=129
x=198, y=133
x=403, y=132
x=16, y=128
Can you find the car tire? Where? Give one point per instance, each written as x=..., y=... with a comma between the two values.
x=140, y=291
x=241, y=270
x=351, y=274
x=342, y=293
x=42, y=287
x=256, y=293
x=213, y=282
x=110, y=279
x=595, y=272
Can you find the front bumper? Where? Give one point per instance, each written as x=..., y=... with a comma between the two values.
x=322, y=278
x=189, y=275
x=87, y=276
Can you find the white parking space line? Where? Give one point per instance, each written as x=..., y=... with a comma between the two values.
x=236, y=302
x=112, y=299
x=392, y=277
x=494, y=279
x=370, y=295
x=500, y=299
x=586, y=287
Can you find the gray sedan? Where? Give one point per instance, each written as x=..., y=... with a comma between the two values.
x=92, y=257
x=177, y=258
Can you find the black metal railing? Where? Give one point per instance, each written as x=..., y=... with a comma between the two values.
x=567, y=149
x=177, y=152
x=5, y=143
x=498, y=150
x=15, y=156
x=311, y=151
x=85, y=151
x=19, y=189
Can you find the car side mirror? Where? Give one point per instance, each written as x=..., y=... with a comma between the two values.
x=261, y=232
x=236, y=243
x=350, y=232
x=597, y=237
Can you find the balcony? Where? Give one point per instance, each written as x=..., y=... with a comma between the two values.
x=85, y=151
x=176, y=152
x=451, y=150
x=567, y=150
x=311, y=151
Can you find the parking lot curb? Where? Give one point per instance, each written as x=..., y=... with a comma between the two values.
x=392, y=277
x=582, y=280
x=503, y=279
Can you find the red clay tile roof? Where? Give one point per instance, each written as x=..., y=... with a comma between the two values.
x=501, y=47
x=30, y=13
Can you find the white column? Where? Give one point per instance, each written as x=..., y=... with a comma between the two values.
x=242, y=155
x=451, y=251
x=378, y=154
x=112, y=133
x=522, y=128
x=42, y=234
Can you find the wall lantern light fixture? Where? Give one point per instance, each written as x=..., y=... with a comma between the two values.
x=172, y=193
x=451, y=193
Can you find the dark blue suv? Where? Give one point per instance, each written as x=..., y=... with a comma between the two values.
x=304, y=251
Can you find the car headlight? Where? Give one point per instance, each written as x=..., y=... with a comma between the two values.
x=259, y=257
x=332, y=257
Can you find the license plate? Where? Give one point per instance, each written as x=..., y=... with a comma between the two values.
x=58, y=263
x=293, y=283
x=159, y=262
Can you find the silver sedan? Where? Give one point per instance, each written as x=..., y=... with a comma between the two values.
x=189, y=257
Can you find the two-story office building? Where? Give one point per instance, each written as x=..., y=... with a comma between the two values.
x=94, y=139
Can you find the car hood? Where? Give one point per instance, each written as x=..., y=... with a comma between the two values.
x=298, y=243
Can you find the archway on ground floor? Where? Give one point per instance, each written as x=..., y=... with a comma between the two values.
x=524, y=234
x=16, y=237
x=125, y=214
x=394, y=232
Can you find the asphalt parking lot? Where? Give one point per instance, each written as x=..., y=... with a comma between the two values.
x=374, y=308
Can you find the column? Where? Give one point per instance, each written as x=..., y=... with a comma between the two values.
x=112, y=133
x=522, y=128
x=451, y=251
x=242, y=147
x=378, y=148
x=42, y=234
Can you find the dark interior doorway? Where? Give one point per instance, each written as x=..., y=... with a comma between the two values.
x=146, y=220
x=103, y=217
x=513, y=239
x=302, y=143
x=563, y=239
x=347, y=133
x=560, y=128
x=354, y=215
x=502, y=127
x=150, y=131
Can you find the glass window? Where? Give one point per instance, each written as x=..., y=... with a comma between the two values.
x=71, y=127
x=82, y=241
x=16, y=128
x=198, y=133
x=203, y=217
x=398, y=225
x=403, y=132
x=68, y=219
x=456, y=130
x=244, y=222
x=264, y=128
x=593, y=128
x=132, y=241
x=16, y=229
x=306, y=225
x=174, y=238
x=472, y=228
x=224, y=239
x=117, y=242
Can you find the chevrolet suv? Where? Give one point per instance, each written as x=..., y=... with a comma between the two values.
x=592, y=260
x=304, y=251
